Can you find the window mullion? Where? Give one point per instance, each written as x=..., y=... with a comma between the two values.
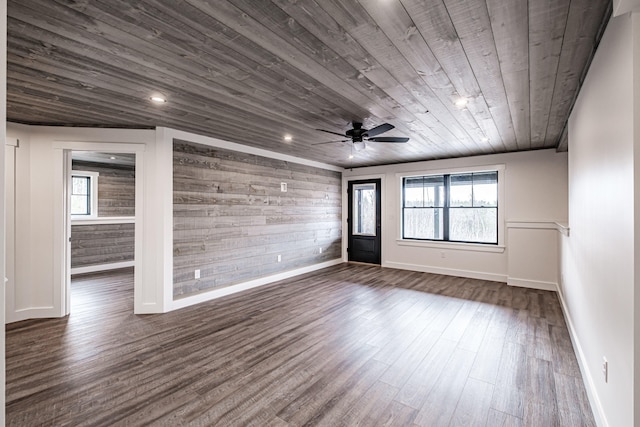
x=472, y=190
x=445, y=210
x=436, y=214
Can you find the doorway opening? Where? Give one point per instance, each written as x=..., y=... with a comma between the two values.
x=101, y=210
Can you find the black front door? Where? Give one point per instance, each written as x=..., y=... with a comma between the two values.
x=364, y=221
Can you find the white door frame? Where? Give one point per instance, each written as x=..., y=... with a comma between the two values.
x=10, y=220
x=62, y=258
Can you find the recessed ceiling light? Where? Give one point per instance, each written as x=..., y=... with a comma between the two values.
x=112, y=157
x=288, y=137
x=158, y=99
x=484, y=139
x=350, y=156
x=461, y=102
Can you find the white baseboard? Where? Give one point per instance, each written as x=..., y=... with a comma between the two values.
x=532, y=284
x=447, y=271
x=102, y=267
x=589, y=384
x=228, y=290
x=148, y=308
x=31, y=313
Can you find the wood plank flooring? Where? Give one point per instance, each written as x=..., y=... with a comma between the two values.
x=350, y=345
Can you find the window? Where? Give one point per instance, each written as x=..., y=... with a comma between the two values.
x=461, y=207
x=364, y=209
x=84, y=194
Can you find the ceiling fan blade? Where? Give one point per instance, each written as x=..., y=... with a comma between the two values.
x=389, y=139
x=328, y=131
x=380, y=129
x=329, y=142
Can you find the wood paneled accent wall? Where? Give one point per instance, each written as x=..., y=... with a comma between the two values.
x=101, y=244
x=98, y=244
x=231, y=219
x=116, y=187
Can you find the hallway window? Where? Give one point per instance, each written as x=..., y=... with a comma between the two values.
x=84, y=194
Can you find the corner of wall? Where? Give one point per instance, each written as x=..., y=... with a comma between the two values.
x=587, y=375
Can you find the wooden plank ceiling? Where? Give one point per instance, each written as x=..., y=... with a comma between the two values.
x=252, y=71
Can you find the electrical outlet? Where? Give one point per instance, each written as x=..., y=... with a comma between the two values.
x=283, y=187
x=279, y=258
x=196, y=274
x=605, y=369
x=320, y=250
x=442, y=255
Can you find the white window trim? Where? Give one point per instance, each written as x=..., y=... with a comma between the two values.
x=106, y=220
x=93, y=176
x=478, y=247
x=461, y=246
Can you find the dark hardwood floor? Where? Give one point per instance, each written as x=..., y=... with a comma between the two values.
x=344, y=346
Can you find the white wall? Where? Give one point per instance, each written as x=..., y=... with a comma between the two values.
x=598, y=258
x=35, y=288
x=534, y=200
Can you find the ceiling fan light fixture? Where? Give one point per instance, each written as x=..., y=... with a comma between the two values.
x=359, y=145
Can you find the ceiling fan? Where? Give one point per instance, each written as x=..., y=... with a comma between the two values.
x=358, y=135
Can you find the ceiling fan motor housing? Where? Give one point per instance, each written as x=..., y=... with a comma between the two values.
x=357, y=133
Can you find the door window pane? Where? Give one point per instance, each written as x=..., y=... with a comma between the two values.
x=364, y=209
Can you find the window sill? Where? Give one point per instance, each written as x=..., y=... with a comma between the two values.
x=103, y=220
x=475, y=247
